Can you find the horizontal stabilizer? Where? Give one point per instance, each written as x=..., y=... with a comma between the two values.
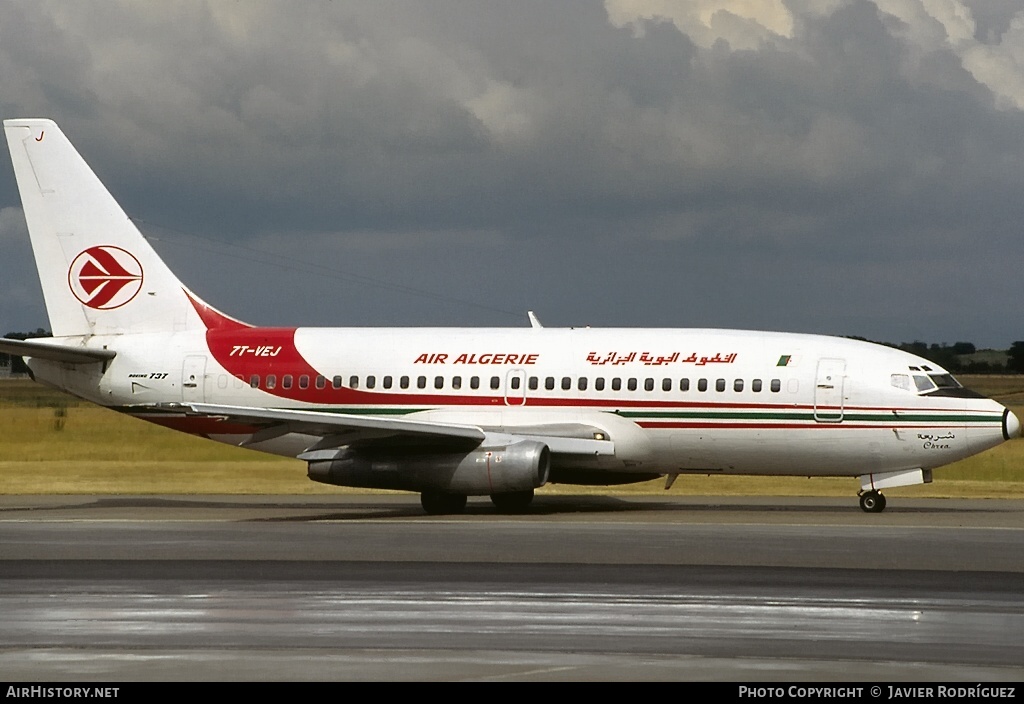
x=56, y=352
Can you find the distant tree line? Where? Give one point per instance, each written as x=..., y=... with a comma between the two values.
x=964, y=357
x=1016, y=354
x=16, y=363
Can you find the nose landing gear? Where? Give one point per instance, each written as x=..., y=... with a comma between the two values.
x=872, y=501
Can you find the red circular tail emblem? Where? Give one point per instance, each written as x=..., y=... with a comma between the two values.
x=105, y=277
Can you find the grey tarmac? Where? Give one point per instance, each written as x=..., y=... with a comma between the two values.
x=579, y=588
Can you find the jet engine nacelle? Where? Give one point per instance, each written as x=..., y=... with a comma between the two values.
x=520, y=466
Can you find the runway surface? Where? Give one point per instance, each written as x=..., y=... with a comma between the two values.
x=580, y=588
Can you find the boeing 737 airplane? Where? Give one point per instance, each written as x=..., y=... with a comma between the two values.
x=451, y=413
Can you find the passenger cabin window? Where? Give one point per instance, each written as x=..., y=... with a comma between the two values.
x=456, y=382
x=403, y=382
x=254, y=381
x=371, y=382
x=755, y=386
x=599, y=383
x=353, y=382
x=737, y=385
x=495, y=382
x=631, y=384
x=648, y=384
x=616, y=384
x=684, y=384
x=271, y=381
x=321, y=382
x=336, y=382
x=515, y=383
x=534, y=381
x=776, y=385
x=702, y=385
x=474, y=382
x=666, y=384
x=549, y=383
x=286, y=381
x=421, y=382
x=438, y=382
x=720, y=385
x=582, y=383
x=304, y=381
x=566, y=383
x=386, y=382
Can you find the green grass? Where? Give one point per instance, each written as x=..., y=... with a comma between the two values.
x=1008, y=389
x=51, y=443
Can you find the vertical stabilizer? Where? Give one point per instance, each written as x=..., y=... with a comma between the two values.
x=99, y=275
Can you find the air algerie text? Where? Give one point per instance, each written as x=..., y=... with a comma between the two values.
x=474, y=358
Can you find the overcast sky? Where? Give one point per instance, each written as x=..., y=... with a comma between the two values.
x=836, y=166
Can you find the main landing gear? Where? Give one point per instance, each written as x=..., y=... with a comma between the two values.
x=872, y=501
x=513, y=501
x=438, y=503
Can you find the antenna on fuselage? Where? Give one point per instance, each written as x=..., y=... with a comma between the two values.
x=534, y=323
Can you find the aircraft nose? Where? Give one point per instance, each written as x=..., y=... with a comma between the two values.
x=1011, y=425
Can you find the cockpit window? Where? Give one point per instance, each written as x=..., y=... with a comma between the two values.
x=940, y=384
x=900, y=381
x=945, y=381
x=923, y=383
x=936, y=383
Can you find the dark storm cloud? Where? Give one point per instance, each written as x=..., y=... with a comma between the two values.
x=844, y=166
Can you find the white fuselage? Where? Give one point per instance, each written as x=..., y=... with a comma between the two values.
x=673, y=401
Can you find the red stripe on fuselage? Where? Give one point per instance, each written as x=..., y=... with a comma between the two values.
x=212, y=318
x=248, y=352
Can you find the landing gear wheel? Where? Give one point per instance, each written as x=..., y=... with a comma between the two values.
x=437, y=503
x=513, y=501
x=872, y=502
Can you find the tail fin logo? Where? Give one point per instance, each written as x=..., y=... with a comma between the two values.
x=105, y=277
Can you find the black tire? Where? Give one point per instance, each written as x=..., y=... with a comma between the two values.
x=513, y=501
x=872, y=502
x=437, y=503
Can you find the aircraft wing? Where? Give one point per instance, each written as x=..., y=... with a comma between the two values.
x=57, y=353
x=342, y=429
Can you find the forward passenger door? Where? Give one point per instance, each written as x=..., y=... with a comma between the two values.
x=828, y=390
